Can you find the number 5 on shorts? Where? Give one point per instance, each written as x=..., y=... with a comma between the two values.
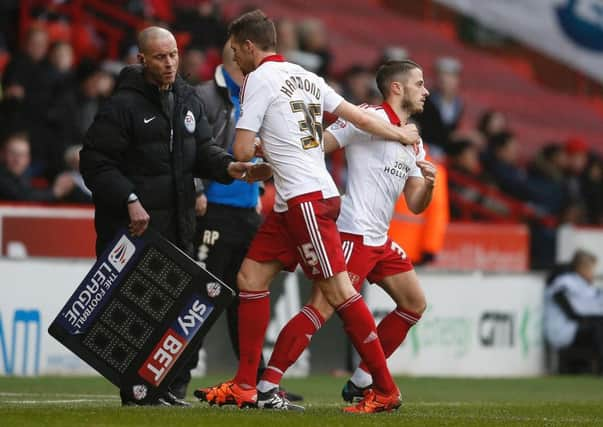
x=308, y=254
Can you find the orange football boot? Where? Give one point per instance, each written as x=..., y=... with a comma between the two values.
x=228, y=393
x=375, y=402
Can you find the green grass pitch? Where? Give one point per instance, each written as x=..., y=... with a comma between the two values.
x=64, y=401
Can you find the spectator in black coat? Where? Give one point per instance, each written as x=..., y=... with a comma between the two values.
x=501, y=162
x=76, y=106
x=592, y=184
x=28, y=78
x=204, y=23
x=576, y=150
x=490, y=123
x=547, y=174
x=444, y=107
x=313, y=39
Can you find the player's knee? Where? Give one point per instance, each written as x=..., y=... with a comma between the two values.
x=324, y=308
x=417, y=304
x=337, y=289
x=420, y=308
x=244, y=281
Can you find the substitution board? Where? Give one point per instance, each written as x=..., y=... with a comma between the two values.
x=140, y=312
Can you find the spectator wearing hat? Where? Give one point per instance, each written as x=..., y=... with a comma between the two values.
x=444, y=107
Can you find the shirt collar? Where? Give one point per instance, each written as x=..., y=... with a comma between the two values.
x=391, y=114
x=273, y=58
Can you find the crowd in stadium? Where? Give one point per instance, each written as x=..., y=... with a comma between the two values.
x=51, y=92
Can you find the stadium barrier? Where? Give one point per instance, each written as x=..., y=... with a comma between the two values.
x=475, y=325
x=472, y=319
x=28, y=230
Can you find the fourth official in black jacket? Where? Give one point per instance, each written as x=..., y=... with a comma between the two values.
x=136, y=147
x=147, y=143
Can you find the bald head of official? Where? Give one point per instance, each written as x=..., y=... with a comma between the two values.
x=158, y=54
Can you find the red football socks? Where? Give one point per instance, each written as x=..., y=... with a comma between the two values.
x=392, y=331
x=291, y=342
x=360, y=327
x=254, y=315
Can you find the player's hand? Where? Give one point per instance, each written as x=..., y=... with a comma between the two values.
x=201, y=205
x=409, y=135
x=259, y=172
x=139, y=218
x=239, y=170
x=250, y=172
x=428, y=170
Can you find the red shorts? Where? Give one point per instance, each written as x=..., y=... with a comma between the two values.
x=306, y=234
x=373, y=262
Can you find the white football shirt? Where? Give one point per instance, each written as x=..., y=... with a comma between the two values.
x=377, y=173
x=284, y=104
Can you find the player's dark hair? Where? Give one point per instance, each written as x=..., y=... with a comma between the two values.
x=256, y=27
x=391, y=69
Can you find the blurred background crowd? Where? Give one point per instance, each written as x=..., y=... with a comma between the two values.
x=514, y=150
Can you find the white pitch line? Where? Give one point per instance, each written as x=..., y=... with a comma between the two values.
x=79, y=395
x=62, y=401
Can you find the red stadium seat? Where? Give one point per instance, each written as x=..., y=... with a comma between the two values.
x=359, y=30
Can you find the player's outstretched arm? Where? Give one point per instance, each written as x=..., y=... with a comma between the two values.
x=243, y=148
x=364, y=120
x=418, y=191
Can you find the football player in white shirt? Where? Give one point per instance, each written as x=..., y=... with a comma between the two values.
x=378, y=172
x=283, y=104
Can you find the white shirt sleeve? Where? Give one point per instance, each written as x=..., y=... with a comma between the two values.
x=345, y=133
x=415, y=171
x=331, y=99
x=255, y=99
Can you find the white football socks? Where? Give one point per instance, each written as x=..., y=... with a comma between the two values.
x=264, y=386
x=361, y=378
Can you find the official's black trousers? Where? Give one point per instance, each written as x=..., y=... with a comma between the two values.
x=223, y=236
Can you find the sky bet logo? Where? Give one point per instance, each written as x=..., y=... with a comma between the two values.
x=175, y=340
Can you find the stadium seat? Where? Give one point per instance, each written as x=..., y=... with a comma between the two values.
x=489, y=82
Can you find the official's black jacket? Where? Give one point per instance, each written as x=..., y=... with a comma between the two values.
x=128, y=149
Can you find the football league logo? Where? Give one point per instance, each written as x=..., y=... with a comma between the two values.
x=189, y=121
x=121, y=253
x=139, y=391
x=213, y=289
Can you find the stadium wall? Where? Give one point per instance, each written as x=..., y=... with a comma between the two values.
x=475, y=325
